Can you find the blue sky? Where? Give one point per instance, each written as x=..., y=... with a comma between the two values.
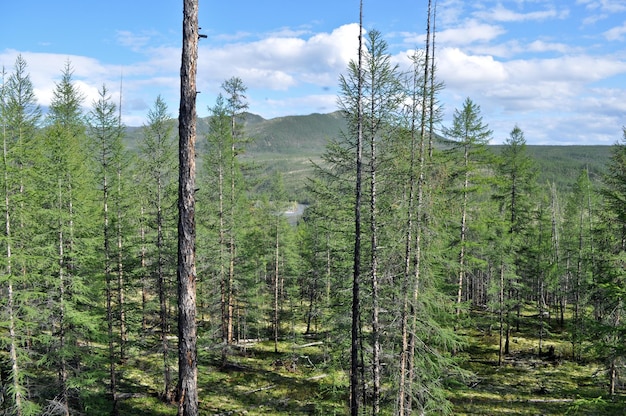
x=556, y=68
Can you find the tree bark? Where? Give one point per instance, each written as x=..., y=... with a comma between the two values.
x=276, y=284
x=186, y=272
x=120, y=268
x=459, y=297
x=376, y=348
x=356, y=275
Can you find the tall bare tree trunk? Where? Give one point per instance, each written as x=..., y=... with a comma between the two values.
x=120, y=268
x=230, y=305
x=417, y=252
x=15, y=368
x=501, y=315
x=356, y=276
x=224, y=284
x=61, y=317
x=162, y=288
x=144, y=283
x=120, y=263
x=276, y=284
x=462, y=238
x=108, y=285
x=376, y=349
x=187, y=333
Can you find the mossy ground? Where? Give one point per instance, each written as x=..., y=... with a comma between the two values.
x=303, y=381
x=530, y=382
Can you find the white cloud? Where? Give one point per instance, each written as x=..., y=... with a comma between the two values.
x=610, y=6
x=270, y=67
x=542, y=46
x=459, y=69
x=616, y=33
x=278, y=62
x=45, y=70
x=501, y=14
x=133, y=41
x=275, y=107
x=555, y=98
x=469, y=32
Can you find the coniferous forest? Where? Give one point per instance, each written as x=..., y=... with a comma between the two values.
x=424, y=271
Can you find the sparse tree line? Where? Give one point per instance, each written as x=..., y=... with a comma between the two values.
x=412, y=228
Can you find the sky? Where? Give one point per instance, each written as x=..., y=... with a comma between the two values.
x=555, y=68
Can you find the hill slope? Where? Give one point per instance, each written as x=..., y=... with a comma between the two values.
x=288, y=144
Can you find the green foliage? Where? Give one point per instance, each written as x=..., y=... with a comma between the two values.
x=61, y=336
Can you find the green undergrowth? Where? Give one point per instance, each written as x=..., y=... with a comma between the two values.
x=255, y=381
x=302, y=379
x=530, y=382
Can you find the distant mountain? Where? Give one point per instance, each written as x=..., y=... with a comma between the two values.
x=289, y=143
x=293, y=134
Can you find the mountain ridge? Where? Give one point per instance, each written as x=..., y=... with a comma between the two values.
x=288, y=143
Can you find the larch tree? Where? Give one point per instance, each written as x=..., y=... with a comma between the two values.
x=63, y=170
x=224, y=195
x=516, y=184
x=356, y=104
x=20, y=118
x=236, y=104
x=578, y=250
x=382, y=96
x=105, y=135
x=611, y=271
x=469, y=135
x=158, y=158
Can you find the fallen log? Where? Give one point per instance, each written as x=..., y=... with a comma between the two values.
x=310, y=344
x=271, y=386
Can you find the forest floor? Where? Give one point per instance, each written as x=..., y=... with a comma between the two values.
x=530, y=381
x=301, y=379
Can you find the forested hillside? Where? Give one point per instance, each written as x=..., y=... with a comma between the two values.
x=431, y=273
x=288, y=145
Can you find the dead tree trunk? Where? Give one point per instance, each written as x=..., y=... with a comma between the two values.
x=356, y=276
x=186, y=273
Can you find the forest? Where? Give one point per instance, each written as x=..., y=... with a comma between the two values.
x=429, y=273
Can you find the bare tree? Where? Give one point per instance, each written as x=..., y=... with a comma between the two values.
x=187, y=333
x=356, y=277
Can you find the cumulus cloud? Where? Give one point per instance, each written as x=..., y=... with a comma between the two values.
x=281, y=62
x=45, y=70
x=458, y=68
x=562, y=90
x=277, y=62
x=471, y=31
